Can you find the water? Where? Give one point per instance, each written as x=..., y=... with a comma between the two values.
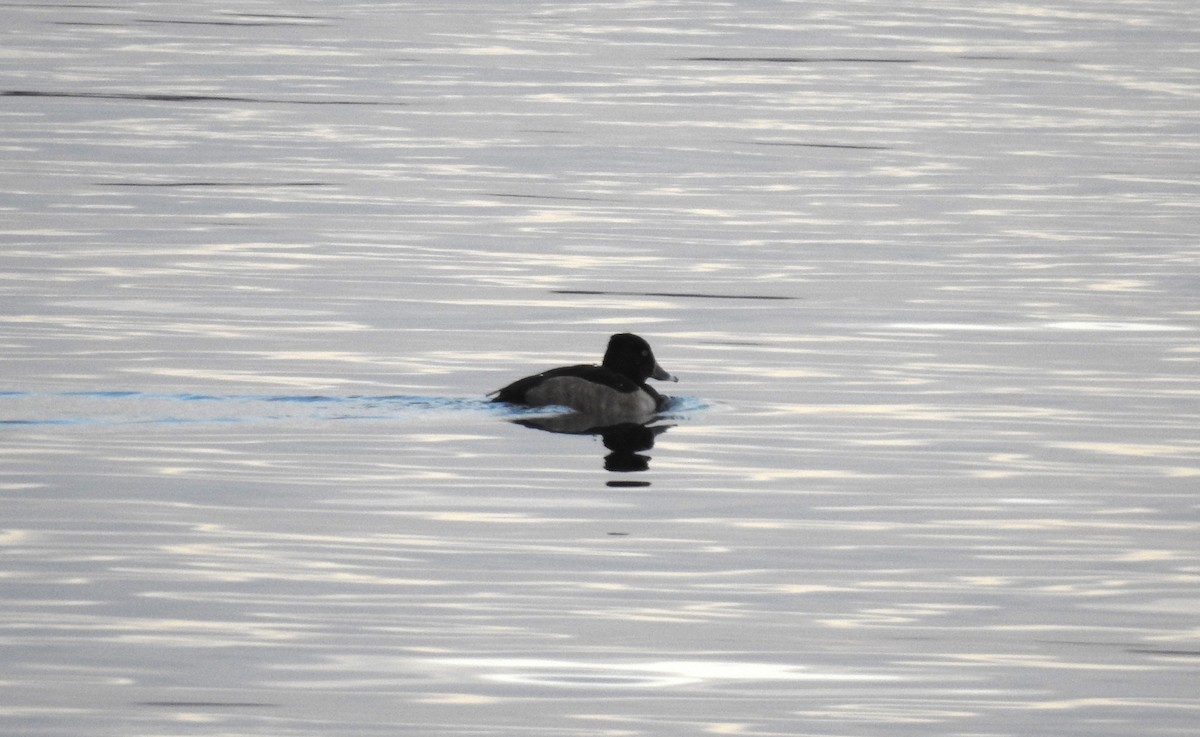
x=927, y=274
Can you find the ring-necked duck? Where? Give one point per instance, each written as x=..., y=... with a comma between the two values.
x=615, y=388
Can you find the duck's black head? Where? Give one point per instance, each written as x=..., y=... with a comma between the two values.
x=630, y=355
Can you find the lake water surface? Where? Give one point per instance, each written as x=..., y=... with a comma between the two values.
x=928, y=274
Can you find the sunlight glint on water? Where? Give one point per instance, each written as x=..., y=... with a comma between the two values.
x=927, y=276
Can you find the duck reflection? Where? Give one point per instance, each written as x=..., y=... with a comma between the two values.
x=626, y=441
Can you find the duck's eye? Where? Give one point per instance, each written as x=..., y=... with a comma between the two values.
x=645, y=353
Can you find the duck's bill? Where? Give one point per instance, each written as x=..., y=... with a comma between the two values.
x=661, y=374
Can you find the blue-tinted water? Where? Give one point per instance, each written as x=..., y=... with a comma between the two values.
x=927, y=274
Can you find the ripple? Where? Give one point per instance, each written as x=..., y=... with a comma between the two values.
x=113, y=407
x=648, y=675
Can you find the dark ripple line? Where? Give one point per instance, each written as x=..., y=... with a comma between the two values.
x=214, y=184
x=1171, y=653
x=253, y=23
x=282, y=16
x=166, y=97
x=803, y=59
x=49, y=421
x=209, y=704
x=689, y=295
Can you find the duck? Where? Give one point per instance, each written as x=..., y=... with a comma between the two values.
x=616, y=389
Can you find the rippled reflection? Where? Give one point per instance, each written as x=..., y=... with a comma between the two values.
x=627, y=441
x=929, y=271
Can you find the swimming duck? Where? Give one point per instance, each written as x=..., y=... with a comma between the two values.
x=615, y=389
